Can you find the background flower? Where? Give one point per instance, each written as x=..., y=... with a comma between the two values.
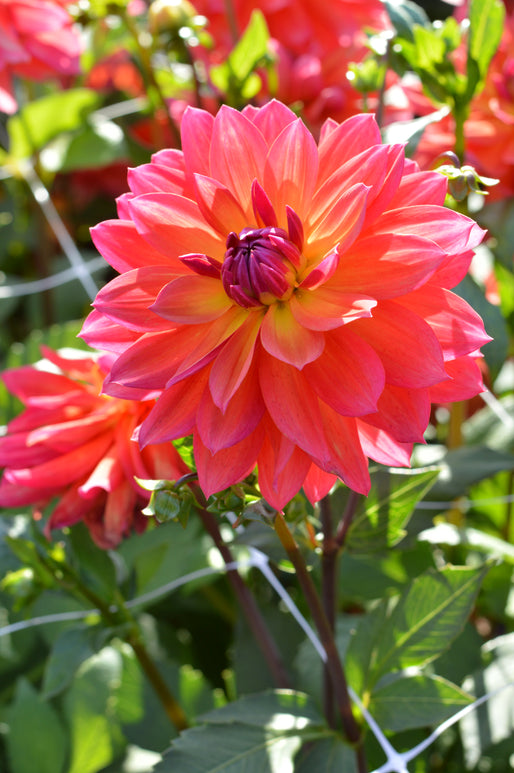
x=290, y=300
x=72, y=443
x=36, y=42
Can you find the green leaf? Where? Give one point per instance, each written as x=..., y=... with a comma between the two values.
x=96, y=145
x=271, y=709
x=416, y=701
x=258, y=734
x=404, y=15
x=94, y=564
x=328, y=755
x=492, y=723
x=486, y=19
x=36, y=740
x=380, y=520
x=71, y=648
x=89, y=707
x=236, y=75
x=418, y=627
x=43, y=119
x=465, y=466
x=411, y=132
x=475, y=539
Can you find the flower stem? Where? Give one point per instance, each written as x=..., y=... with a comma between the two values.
x=149, y=75
x=247, y=604
x=328, y=595
x=114, y=615
x=340, y=686
x=346, y=520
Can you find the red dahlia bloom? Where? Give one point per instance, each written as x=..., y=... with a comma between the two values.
x=36, y=42
x=290, y=300
x=73, y=443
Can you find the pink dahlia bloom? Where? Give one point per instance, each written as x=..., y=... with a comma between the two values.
x=74, y=444
x=36, y=42
x=290, y=300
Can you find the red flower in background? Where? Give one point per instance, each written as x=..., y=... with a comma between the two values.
x=314, y=43
x=73, y=443
x=289, y=300
x=36, y=42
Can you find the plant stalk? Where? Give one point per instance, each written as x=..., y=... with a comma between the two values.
x=328, y=596
x=247, y=603
x=340, y=686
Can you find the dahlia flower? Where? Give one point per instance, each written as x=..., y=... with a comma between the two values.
x=36, y=42
x=73, y=443
x=289, y=300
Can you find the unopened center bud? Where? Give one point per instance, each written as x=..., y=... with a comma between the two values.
x=260, y=266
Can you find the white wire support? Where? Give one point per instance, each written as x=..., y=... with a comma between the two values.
x=495, y=405
x=48, y=283
x=68, y=246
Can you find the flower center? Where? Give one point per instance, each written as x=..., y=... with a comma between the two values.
x=260, y=266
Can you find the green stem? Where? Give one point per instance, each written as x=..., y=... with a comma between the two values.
x=149, y=75
x=460, y=116
x=348, y=516
x=115, y=617
x=247, y=602
x=340, y=686
x=328, y=595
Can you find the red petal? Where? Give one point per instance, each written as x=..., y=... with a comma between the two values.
x=229, y=466
x=174, y=414
x=218, y=206
x=192, y=300
x=284, y=338
x=349, y=375
x=409, y=350
x=174, y=225
x=127, y=298
x=232, y=362
x=291, y=171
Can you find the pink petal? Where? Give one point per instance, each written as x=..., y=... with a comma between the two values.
x=408, y=348
x=294, y=407
x=106, y=475
x=218, y=206
x=457, y=326
x=155, y=178
x=192, y=300
x=284, y=338
x=243, y=413
x=347, y=459
x=382, y=448
x=196, y=131
x=368, y=168
x=349, y=375
x=229, y=466
x=174, y=225
x=465, y=381
x=452, y=231
x=100, y=332
x=270, y=119
x=207, y=342
x=402, y=413
x=326, y=308
x=232, y=362
x=16, y=452
x=237, y=155
x=128, y=298
x=317, y=483
x=148, y=363
x=350, y=138
x=387, y=265
x=420, y=188
x=64, y=469
x=389, y=186
x=174, y=414
x=291, y=171
x=279, y=487
x=40, y=387
x=120, y=244
x=341, y=225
